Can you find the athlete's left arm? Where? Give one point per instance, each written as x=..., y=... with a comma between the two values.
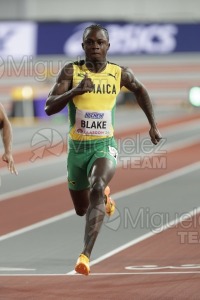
x=129, y=81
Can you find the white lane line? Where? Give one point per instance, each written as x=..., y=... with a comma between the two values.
x=180, y=172
x=156, y=181
x=34, y=187
x=30, y=275
x=181, y=127
x=140, y=239
x=62, y=179
x=38, y=225
x=2, y=269
x=51, y=159
x=173, y=146
x=141, y=273
x=101, y=274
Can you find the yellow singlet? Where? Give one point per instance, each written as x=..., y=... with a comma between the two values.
x=91, y=115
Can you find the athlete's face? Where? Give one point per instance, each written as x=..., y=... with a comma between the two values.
x=95, y=45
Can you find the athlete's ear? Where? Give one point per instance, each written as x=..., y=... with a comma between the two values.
x=82, y=46
x=108, y=45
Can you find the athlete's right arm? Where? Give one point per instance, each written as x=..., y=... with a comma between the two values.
x=62, y=91
x=60, y=94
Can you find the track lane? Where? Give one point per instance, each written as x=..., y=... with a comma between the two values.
x=33, y=207
x=38, y=205
x=135, y=286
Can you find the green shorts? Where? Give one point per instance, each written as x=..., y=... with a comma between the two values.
x=82, y=155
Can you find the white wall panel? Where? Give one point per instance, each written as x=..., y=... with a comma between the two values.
x=133, y=10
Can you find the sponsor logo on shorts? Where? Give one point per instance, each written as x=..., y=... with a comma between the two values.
x=113, y=152
x=71, y=182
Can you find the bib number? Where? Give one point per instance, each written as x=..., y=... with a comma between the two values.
x=93, y=123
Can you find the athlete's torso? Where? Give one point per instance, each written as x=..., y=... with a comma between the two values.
x=91, y=115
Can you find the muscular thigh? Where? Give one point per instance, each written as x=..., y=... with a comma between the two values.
x=104, y=159
x=78, y=182
x=77, y=170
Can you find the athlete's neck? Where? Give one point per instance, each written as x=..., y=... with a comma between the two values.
x=96, y=66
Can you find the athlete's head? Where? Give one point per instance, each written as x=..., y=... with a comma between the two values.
x=95, y=42
x=95, y=27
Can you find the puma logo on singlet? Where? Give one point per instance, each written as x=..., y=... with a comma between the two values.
x=109, y=74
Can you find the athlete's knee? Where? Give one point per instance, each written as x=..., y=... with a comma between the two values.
x=80, y=211
x=97, y=190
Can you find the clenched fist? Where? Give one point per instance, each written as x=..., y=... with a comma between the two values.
x=86, y=85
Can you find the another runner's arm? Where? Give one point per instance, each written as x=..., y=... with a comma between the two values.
x=129, y=81
x=6, y=130
x=6, y=133
x=62, y=91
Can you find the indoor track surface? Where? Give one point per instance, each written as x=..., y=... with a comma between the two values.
x=148, y=250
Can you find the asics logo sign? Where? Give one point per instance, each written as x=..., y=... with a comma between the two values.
x=131, y=38
x=4, y=38
x=17, y=39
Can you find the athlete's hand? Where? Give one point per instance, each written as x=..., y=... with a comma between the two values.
x=86, y=85
x=155, y=135
x=10, y=162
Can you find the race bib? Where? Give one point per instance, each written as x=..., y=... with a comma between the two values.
x=93, y=123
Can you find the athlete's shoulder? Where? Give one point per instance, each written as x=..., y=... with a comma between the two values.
x=114, y=67
x=67, y=72
x=122, y=68
x=2, y=111
x=115, y=70
x=69, y=67
x=113, y=64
